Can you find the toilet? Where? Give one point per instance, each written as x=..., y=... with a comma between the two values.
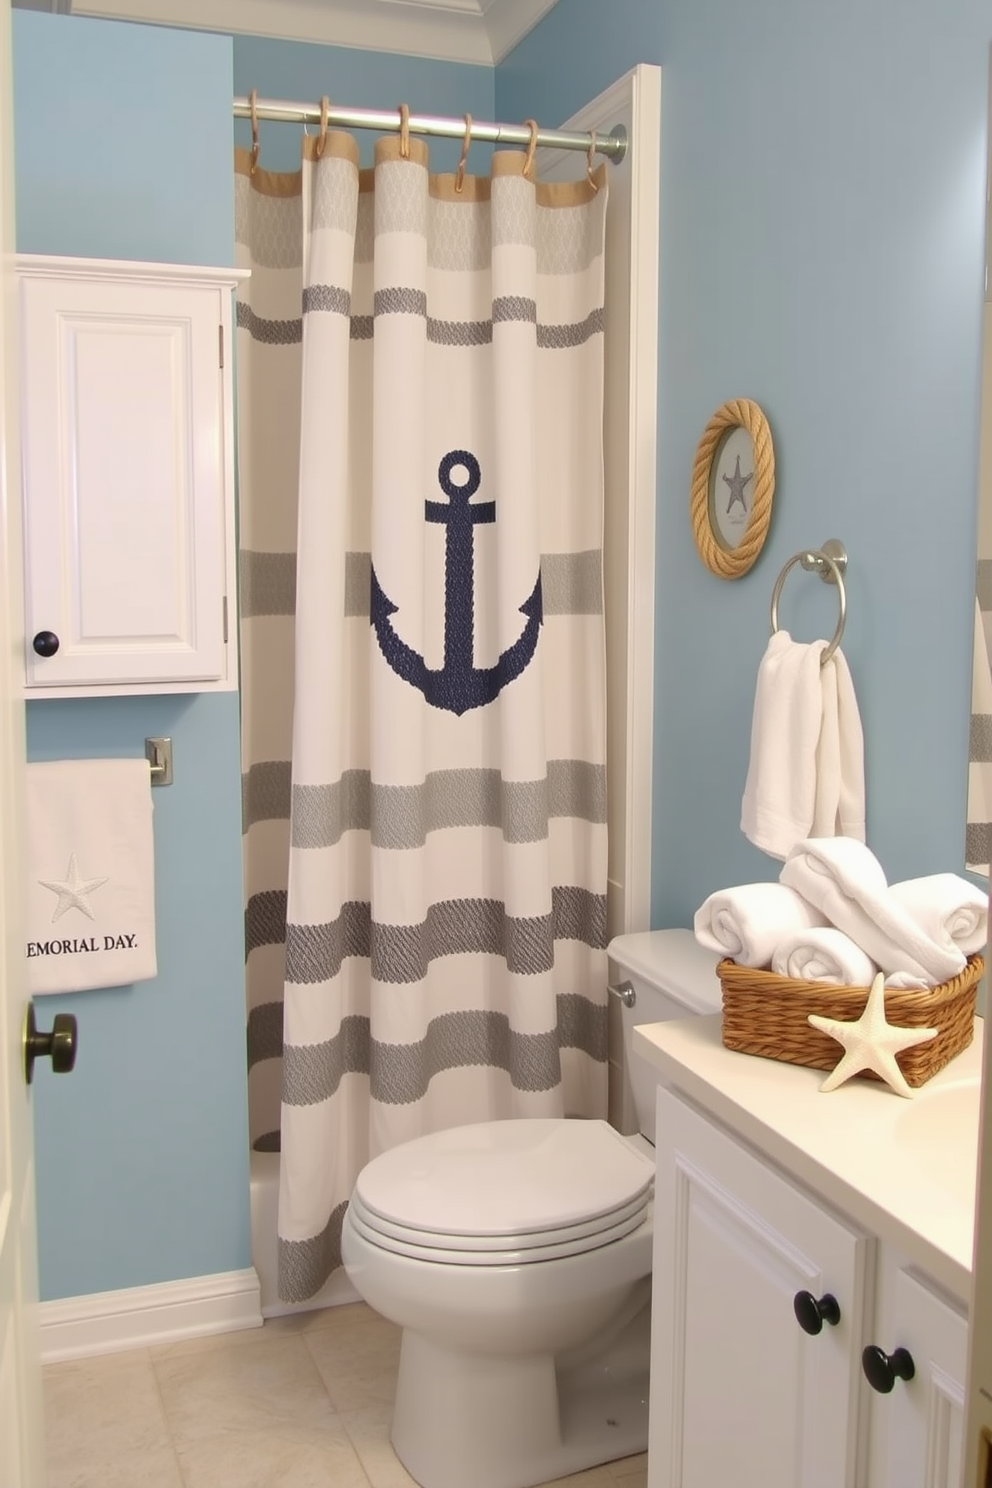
x=516, y=1257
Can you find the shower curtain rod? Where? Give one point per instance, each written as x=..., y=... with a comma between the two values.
x=278, y=110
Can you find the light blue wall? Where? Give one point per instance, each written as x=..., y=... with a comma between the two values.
x=294, y=70
x=822, y=241
x=142, y=1153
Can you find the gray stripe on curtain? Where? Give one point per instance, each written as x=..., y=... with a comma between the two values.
x=403, y=953
x=269, y=332
x=266, y=792
x=267, y=583
x=265, y=919
x=401, y=816
x=313, y=1072
x=978, y=842
x=400, y=1073
x=980, y=742
x=304, y=1265
x=314, y=952
x=439, y=332
x=328, y=298
x=264, y=1032
x=321, y=813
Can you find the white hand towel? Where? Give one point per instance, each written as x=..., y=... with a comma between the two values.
x=806, y=770
x=747, y=922
x=824, y=954
x=846, y=883
x=90, y=901
x=839, y=800
x=951, y=910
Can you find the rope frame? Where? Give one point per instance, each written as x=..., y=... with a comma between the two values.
x=733, y=563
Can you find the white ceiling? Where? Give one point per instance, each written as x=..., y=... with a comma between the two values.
x=480, y=31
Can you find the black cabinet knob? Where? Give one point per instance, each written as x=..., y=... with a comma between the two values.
x=881, y=1370
x=59, y=1045
x=46, y=643
x=812, y=1313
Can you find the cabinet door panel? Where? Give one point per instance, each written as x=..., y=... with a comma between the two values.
x=740, y=1394
x=124, y=476
x=922, y=1421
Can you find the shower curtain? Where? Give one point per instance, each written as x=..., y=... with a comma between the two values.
x=445, y=812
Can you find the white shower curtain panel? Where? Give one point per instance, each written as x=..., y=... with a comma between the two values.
x=446, y=917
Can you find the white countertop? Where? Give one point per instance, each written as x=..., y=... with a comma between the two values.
x=903, y=1169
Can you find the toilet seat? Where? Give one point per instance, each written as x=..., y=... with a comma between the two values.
x=504, y=1193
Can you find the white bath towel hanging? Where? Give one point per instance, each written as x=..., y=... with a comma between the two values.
x=90, y=894
x=807, y=749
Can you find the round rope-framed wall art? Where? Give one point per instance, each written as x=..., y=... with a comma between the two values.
x=733, y=482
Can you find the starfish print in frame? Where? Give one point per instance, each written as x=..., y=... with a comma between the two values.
x=737, y=483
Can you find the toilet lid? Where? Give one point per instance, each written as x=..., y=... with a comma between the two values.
x=549, y=1247
x=508, y=1179
x=598, y=1231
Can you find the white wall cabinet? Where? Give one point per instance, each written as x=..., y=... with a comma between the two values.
x=740, y=1393
x=128, y=477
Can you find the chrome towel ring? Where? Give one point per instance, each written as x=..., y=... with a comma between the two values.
x=829, y=562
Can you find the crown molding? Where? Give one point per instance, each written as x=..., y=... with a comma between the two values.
x=475, y=31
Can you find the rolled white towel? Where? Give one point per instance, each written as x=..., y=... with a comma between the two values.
x=824, y=954
x=952, y=911
x=844, y=880
x=747, y=922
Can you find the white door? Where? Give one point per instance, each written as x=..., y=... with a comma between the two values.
x=21, y=1441
x=740, y=1393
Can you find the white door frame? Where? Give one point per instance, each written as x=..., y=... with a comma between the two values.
x=21, y=1436
x=630, y=449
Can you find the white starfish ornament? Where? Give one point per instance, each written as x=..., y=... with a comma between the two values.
x=871, y=1043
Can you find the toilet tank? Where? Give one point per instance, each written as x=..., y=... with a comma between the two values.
x=672, y=976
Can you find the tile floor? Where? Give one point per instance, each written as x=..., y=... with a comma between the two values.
x=303, y=1402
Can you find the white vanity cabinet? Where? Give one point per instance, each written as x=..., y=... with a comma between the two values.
x=739, y=1392
x=128, y=477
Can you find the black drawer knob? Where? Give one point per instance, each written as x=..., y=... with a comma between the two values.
x=882, y=1370
x=46, y=643
x=812, y=1312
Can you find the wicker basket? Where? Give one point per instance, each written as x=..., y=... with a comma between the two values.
x=766, y=1014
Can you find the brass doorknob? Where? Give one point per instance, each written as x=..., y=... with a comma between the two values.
x=59, y=1045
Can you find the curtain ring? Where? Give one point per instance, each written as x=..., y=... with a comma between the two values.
x=460, y=173
x=404, y=131
x=325, y=104
x=589, y=166
x=252, y=104
x=531, y=148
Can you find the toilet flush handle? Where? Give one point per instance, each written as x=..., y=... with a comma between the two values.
x=625, y=992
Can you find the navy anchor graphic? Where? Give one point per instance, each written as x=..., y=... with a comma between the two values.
x=459, y=685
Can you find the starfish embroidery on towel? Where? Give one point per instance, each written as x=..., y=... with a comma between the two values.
x=870, y=1043
x=73, y=890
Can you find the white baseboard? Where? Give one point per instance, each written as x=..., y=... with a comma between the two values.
x=136, y=1317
